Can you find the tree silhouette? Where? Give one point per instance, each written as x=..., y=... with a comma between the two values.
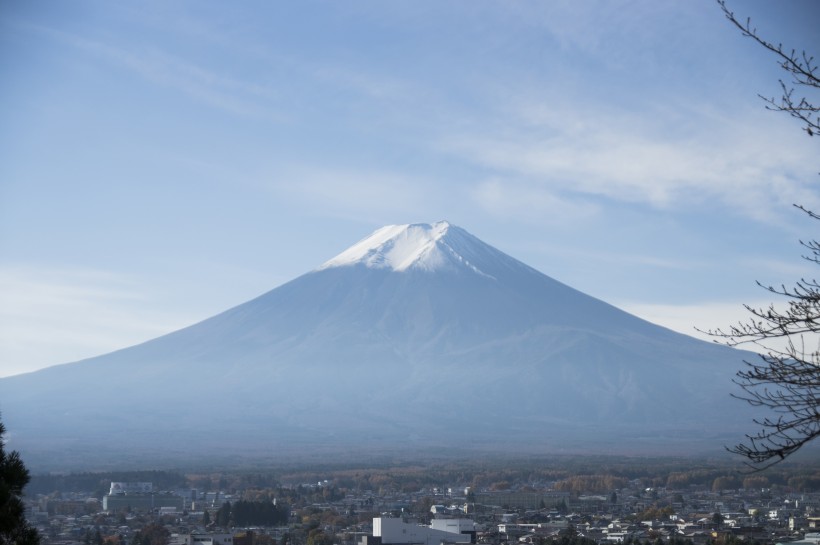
x=223, y=515
x=13, y=478
x=786, y=378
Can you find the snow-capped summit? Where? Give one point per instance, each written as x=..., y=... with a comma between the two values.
x=419, y=246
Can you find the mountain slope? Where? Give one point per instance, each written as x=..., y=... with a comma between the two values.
x=418, y=335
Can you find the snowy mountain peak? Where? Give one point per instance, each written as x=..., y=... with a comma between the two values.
x=418, y=246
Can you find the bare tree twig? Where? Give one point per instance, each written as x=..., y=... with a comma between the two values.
x=786, y=379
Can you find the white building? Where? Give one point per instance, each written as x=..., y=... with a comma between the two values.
x=201, y=539
x=454, y=526
x=394, y=531
x=130, y=488
x=808, y=539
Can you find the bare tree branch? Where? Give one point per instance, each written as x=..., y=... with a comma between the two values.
x=786, y=379
x=801, y=67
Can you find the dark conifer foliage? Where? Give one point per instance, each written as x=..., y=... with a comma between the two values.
x=14, y=530
x=251, y=513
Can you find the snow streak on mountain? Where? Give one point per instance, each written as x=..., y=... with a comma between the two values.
x=417, y=338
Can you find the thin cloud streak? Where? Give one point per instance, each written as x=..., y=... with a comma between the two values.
x=622, y=161
x=49, y=317
x=698, y=319
x=689, y=319
x=528, y=203
x=235, y=96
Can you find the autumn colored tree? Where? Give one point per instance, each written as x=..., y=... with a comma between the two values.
x=318, y=537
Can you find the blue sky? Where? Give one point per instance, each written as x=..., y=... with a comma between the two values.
x=161, y=162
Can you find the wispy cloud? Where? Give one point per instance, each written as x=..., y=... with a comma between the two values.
x=748, y=165
x=51, y=316
x=689, y=319
x=368, y=84
x=237, y=96
x=529, y=203
x=697, y=319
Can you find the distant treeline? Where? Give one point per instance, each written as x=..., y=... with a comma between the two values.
x=797, y=481
x=100, y=483
x=578, y=476
x=591, y=484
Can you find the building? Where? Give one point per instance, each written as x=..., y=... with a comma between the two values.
x=117, y=489
x=812, y=538
x=139, y=497
x=518, y=499
x=142, y=502
x=394, y=531
x=201, y=539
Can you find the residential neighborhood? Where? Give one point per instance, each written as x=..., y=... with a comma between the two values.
x=332, y=512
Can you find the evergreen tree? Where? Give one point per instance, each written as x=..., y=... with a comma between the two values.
x=14, y=530
x=223, y=516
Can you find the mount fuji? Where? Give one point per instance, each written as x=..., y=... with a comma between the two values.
x=418, y=338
